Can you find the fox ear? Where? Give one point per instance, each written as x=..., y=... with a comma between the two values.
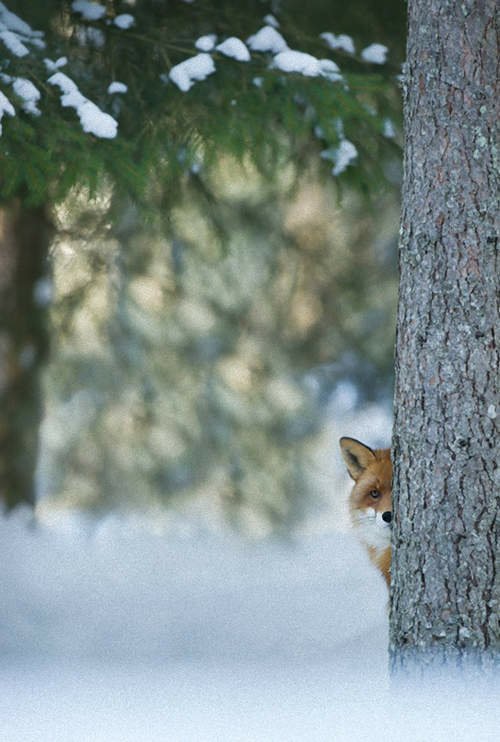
x=356, y=455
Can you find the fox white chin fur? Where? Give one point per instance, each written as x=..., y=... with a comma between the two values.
x=371, y=529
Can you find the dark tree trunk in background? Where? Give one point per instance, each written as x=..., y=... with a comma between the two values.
x=25, y=235
x=444, y=605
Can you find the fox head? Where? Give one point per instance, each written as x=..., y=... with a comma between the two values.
x=370, y=501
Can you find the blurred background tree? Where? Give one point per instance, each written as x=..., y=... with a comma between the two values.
x=209, y=281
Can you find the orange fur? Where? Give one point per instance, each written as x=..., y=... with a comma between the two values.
x=371, y=496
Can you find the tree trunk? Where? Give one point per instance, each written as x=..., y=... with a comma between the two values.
x=25, y=235
x=444, y=601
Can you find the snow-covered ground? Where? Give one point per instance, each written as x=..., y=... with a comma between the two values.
x=120, y=632
x=173, y=629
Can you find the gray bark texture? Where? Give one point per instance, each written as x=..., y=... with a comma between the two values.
x=445, y=590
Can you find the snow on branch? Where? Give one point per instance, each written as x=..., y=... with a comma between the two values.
x=89, y=11
x=306, y=64
x=124, y=21
x=342, y=41
x=17, y=35
x=5, y=107
x=29, y=93
x=191, y=70
x=375, y=53
x=267, y=40
x=234, y=48
x=92, y=119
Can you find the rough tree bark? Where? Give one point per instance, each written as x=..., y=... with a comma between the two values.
x=25, y=235
x=444, y=601
x=445, y=591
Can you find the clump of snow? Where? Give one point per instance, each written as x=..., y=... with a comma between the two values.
x=29, y=93
x=375, y=53
x=328, y=69
x=388, y=129
x=53, y=66
x=117, y=87
x=234, y=48
x=305, y=64
x=5, y=107
x=39, y=43
x=15, y=33
x=267, y=40
x=13, y=43
x=93, y=120
x=192, y=70
x=346, y=153
x=271, y=20
x=14, y=23
x=341, y=156
x=492, y=413
x=206, y=43
x=342, y=41
x=11, y=22
x=124, y=21
x=88, y=10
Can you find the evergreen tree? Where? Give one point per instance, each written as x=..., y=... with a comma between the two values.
x=142, y=145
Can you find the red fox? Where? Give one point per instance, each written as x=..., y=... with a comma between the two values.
x=370, y=501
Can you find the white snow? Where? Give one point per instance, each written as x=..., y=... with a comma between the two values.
x=53, y=66
x=137, y=628
x=123, y=630
x=29, y=93
x=13, y=23
x=63, y=82
x=13, y=43
x=234, y=48
x=346, y=153
x=492, y=413
x=267, y=39
x=375, y=53
x=125, y=588
x=342, y=156
x=388, y=129
x=5, y=107
x=92, y=119
x=117, y=87
x=206, y=43
x=329, y=69
x=88, y=10
x=342, y=41
x=305, y=64
x=191, y=70
x=124, y=21
x=271, y=20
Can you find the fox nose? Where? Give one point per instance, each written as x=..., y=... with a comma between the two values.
x=387, y=516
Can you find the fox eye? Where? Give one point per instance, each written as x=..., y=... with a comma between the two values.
x=374, y=494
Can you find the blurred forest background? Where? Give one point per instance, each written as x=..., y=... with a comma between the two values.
x=208, y=283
